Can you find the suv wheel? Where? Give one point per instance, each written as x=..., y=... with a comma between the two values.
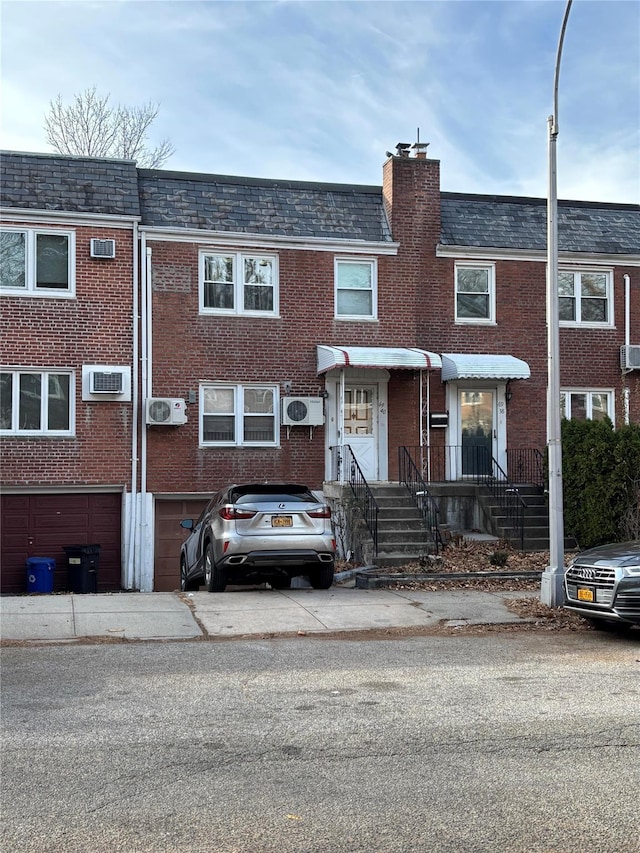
x=322, y=577
x=215, y=578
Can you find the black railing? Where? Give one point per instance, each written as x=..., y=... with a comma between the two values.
x=508, y=497
x=410, y=476
x=345, y=468
x=473, y=463
x=526, y=465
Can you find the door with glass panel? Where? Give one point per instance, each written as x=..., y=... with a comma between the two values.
x=477, y=432
x=360, y=427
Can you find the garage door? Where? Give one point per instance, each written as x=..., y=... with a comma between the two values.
x=169, y=536
x=40, y=525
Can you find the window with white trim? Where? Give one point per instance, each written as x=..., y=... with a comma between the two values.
x=356, y=289
x=475, y=293
x=585, y=297
x=37, y=261
x=238, y=283
x=239, y=415
x=581, y=405
x=36, y=402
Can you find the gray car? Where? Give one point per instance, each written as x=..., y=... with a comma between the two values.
x=249, y=534
x=603, y=585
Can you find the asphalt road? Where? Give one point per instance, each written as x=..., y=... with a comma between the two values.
x=498, y=742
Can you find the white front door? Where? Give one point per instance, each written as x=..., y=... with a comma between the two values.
x=360, y=427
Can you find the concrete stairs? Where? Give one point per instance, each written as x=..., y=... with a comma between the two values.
x=536, y=520
x=402, y=535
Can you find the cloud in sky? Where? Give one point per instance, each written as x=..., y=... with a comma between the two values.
x=319, y=91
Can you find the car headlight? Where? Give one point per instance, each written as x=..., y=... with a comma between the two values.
x=631, y=571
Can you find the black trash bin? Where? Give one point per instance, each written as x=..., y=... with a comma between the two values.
x=83, y=562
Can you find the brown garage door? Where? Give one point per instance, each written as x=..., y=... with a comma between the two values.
x=40, y=525
x=169, y=536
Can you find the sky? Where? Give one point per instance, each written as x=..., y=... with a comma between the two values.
x=320, y=91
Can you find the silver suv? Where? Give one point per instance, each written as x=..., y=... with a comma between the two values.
x=259, y=532
x=603, y=585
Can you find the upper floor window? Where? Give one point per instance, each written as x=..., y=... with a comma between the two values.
x=475, y=293
x=239, y=414
x=238, y=283
x=36, y=261
x=356, y=289
x=586, y=405
x=35, y=402
x=585, y=297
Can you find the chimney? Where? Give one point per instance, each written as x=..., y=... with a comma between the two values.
x=411, y=194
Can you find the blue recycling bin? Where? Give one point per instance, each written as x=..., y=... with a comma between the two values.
x=40, y=574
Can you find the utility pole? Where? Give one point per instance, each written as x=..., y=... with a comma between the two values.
x=552, y=588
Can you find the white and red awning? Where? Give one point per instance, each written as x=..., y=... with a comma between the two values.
x=388, y=358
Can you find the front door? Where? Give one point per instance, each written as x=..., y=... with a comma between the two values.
x=360, y=427
x=477, y=431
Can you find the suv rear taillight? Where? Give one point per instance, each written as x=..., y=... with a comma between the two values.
x=231, y=512
x=322, y=512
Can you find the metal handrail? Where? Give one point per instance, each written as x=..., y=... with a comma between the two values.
x=346, y=468
x=409, y=475
x=481, y=467
x=509, y=498
x=526, y=465
x=454, y=462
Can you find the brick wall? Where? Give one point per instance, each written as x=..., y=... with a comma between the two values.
x=93, y=328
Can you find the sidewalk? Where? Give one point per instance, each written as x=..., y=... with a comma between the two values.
x=245, y=612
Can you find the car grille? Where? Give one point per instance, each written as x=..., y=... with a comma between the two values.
x=628, y=602
x=602, y=580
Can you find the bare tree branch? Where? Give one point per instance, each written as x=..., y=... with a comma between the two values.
x=90, y=126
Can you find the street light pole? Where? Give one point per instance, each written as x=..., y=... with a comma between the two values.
x=552, y=592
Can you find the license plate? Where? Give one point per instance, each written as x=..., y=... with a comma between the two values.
x=585, y=594
x=281, y=521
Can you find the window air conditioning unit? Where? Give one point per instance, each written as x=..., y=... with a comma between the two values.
x=166, y=411
x=106, y=382
x=630, y=357
x=103, y=248
x=302, y=411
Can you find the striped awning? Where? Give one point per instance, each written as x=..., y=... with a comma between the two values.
x=390, y=358
x=473, y=366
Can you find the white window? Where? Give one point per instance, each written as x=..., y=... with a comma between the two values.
x=238, y=283
x=37, y=261
x=36, y=402
x=356, y=289
x=475, y=293
x=581, y=405
x=585, y=297
x=241, y=415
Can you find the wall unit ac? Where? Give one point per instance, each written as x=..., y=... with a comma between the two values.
x=106, y=382
x=103, y=248
x=166, y=411
x=630, y=357
x=302, y=411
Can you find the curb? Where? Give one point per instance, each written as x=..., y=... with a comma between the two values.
x=380, y=579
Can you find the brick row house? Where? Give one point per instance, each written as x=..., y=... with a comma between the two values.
x=284, y=328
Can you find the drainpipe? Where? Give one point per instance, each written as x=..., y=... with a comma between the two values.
x=627, y=336
x=135, y=414
x=144, y=585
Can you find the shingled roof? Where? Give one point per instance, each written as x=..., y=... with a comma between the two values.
x=509, y=222
x=260, y=206
x=70, y=184
x=299, y=209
